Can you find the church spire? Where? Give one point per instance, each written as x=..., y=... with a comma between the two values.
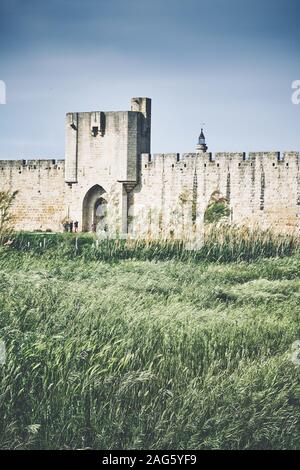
x=201, y=147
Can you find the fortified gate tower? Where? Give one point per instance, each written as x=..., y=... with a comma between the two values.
x=101, y=163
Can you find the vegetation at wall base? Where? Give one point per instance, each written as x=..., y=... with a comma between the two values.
x=222, y=242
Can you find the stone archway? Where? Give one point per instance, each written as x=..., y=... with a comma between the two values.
x=94, y=209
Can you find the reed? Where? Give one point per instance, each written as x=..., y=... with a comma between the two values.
x=159, y=349
x=223, y=243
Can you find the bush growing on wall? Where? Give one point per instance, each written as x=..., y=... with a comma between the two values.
x=217, y=209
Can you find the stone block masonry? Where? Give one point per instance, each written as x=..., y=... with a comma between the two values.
x=262, y=190
x=41, y=202
x=110, y=181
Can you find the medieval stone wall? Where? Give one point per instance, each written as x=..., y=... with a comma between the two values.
x=41, y=202
x=262, y=190
x=108, y=167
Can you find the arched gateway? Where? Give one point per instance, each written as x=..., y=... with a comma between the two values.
x=94, y=209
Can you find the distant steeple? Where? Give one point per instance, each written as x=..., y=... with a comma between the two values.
x=201, y=147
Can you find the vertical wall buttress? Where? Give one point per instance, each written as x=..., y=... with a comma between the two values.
x=71, y=166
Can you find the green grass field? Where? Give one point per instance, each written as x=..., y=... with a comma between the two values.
x=151, y=354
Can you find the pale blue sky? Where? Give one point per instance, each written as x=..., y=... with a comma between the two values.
x=229, y=63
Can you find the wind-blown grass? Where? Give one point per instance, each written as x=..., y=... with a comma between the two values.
x=147, y=354
x=221, y=243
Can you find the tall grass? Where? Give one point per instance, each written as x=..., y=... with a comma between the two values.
x=143, y=354
x=230, y=242
x=222, y=243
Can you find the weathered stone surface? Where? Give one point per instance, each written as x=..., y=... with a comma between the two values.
x=108, y=162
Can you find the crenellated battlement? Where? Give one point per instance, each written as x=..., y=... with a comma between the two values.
x=238, y=164
x=261, y=188
x=110, y=176
x=32, y=164
x=220, y=156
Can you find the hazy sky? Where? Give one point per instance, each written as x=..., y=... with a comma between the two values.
x=228, y=63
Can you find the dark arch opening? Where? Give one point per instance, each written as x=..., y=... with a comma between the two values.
x=94, y=209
